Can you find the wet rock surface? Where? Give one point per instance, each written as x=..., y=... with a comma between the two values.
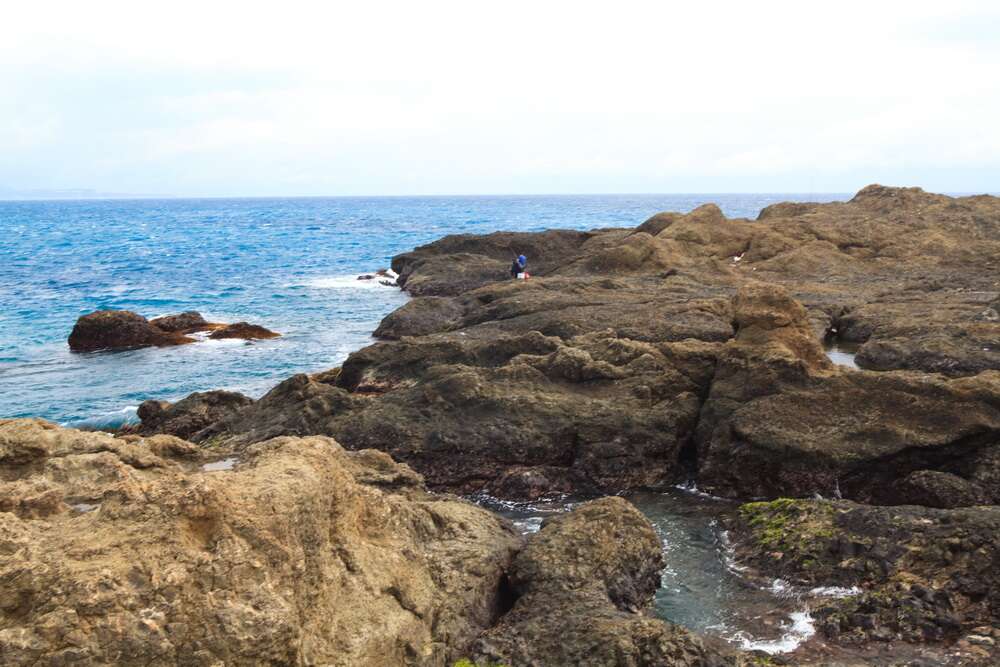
x=120, y=330
x=924, y=574
x=244, y=331
x=114, y=330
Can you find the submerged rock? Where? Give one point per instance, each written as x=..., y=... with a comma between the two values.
x=302, y=554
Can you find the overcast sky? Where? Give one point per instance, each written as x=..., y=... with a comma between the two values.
x=345, y=98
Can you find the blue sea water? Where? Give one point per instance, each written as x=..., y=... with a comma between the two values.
x=288, y=264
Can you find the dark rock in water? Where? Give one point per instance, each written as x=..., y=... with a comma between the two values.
x=366, y=276
x=188, y=322
x=243, y=330
x=581, y=584
x=190, y=415
x=119, y=330
x=125, y=330
x=924, y=574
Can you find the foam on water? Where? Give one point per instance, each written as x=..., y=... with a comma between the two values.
x=349, y=282
x=798, y=629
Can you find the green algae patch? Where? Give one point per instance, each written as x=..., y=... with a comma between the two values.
x=798, y=533
x=789, y=525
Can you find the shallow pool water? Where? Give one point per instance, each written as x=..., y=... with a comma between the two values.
x=843, y=354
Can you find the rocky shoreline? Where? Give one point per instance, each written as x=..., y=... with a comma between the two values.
x=689, y=347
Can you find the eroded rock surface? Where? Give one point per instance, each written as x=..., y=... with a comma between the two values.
x=187, y=417
x=124, y=551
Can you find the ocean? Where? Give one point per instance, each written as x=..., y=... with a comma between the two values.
x=288, y=264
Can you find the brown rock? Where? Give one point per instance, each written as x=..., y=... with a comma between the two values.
x=190, y=415
x=243, y=330
x=119, y=330
x=188, y=322
x=302, y=554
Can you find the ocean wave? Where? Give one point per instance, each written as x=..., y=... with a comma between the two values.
x=107, y=421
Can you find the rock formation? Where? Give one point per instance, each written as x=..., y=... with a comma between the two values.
x=692, y=346
x=689, y=345
x=124, y=551
x=190, y=415
x=125, y=330
x=120, y=330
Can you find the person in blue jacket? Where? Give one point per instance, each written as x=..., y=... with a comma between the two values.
x=518, y=266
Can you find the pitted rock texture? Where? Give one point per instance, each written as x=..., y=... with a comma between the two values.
x=124, y=551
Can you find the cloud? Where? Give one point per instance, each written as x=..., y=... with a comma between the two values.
x=457, y=97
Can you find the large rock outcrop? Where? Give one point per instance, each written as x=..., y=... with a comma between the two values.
x=780, y=419
x=689, y=345
x=124, y=551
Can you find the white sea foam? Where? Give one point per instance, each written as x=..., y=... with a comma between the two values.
x=729, y=554
x=799, y=628
x=347, y=282
x=532, y=524
x=113, y=419
x=835, y=591
x=692, y=488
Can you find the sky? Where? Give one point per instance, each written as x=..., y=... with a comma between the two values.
x=411, y=98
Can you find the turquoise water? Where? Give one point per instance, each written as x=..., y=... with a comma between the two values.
x=288, y=264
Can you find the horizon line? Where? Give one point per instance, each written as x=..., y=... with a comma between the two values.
x=170, y=197
x=160, y=197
